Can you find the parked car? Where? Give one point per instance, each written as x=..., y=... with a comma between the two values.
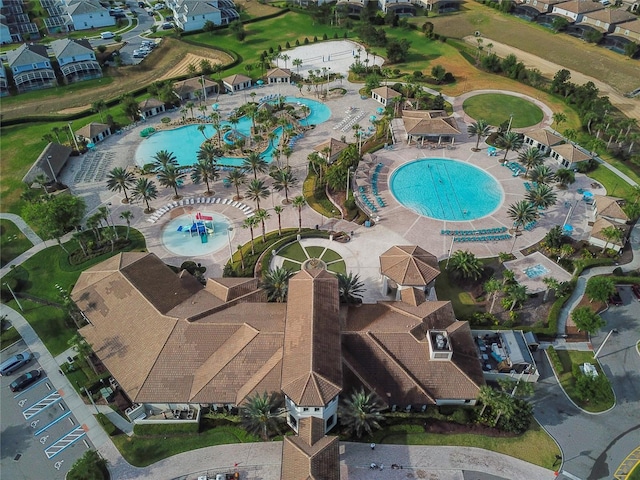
x=114, y=11
x=119, y=15
x=107, y=35
x=142, y=4
x=159, y=6
x=167, y=25
x=636, y=291
x=139, y=53
x=13, y=363
x=149, y=44
x=615, y=299
x=23, y=381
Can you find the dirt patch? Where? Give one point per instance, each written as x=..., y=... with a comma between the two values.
x=255, y=9
x=72, y=110
x=182, y=68
x=442, y=427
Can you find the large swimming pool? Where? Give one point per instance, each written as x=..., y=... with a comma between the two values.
x=185, y=141
x=180, y=238
x=446, y=189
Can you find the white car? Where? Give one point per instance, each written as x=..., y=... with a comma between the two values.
x=159, y=6
x=139, y=54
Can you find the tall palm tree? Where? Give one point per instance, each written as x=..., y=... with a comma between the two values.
x=250, y=223
x=542, y=196
x=480, y=130
x=492, y=287
x=146, y=190
x=465, y=265
x=98, y=107
x=190, y=106
x=262, y=215
x=517, y=294
x=551, y=284
x=201, y=129
x=163, y=159
x=522, y=213
x=276, y=284
x=318, y=162
x=530, y=158
x=262, y=414
x=236, y=178
x=256, y=191
x=278, y=209
x=565, y=177
x=127, y=215
x=204, y=171
x=297, y=62
x=215, y=121
x=542, y=174
x=283, y=179
x=171, y=177
x=299, y=202
x=255, y=163
x=119, y=180
x=611, y=234
x=350, y=288
x=360, y=413
x=509, y=141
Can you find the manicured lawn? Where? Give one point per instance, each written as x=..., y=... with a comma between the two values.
x=449, y=288
x=73, y=88
x=314, y=251
x=330, y=256
x=12, y=242
x=291, y=266
x=294, y=251
x=338, y=267
x=616, y=186
x=535, y=446
x=496, y=108
x=9, y=337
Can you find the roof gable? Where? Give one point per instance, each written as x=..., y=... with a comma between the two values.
x=66, y=47
x=409, y=265
x=27, y=54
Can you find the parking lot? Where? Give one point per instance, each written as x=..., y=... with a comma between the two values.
x=41, y=437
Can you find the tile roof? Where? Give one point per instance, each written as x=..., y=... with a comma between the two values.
x=413, y=296
x=316, y=460
x=386, y=92
x=335, y=147
x=571, y=153
x=236, y=79
x=579, y=6
x=150, y=103
x=409, y=265
x=279, y=73
x=311, y=368
x=67, y=47
x=93, y=129
x=59, y=155
x=632, y=26
x=27, y=54
x=192, y=84
x=429, y=122
x=84, y=6
x=545, y=137
x=611, y=16
x=610, y=207
x=600, y=224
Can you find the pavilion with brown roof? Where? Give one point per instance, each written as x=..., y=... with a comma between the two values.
x=384, y=95
x=430, y=125
x=409, y=266
x=186, y=89
x=151, y=107
x=542, y=139
x=599, y=237
x=237, y=82
x=330, y=149
x=279, y=75
x=611, y=208
x=94, y=132
x=568, y=155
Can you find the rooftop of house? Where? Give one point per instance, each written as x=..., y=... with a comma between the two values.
x=67, y=47
x=545, y=137
x=386, y=92
x=279, y=73
x=611, y=207
x=571, y=153
x=27, y=54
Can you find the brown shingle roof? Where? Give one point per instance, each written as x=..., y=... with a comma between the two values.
x=611, y=16
x=545, y=137
x=409, y=265
x=335, y=147
x=317, y=460
x=59, y=155
x=279, y=73
x=386, y=92
x=610, y=207
x=190, y=85
x=149, y=103
x=430, y=125
x=571, y=153
x=413, y=296
x=579, y=6
x=93, y=129
x=311, y=368
x=236, y=79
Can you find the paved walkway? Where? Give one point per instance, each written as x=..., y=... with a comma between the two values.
x=22, y=225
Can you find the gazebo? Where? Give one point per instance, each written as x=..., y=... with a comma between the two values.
x=408, y=267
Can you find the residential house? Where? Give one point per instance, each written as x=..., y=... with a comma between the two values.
x=574, y=10
x=569, y=156
x=352, y=7
x=429, y=125
x=15, y=24
x=151, y=107
x=76, y=59
x=384, y=95
x=605, y=21
x=93, y=133
x=49, y=163
x=5, y=31
x=610, y=208
x=398, y=7
x=31, y=67
x=542, y=139
x=279, y=75
x=440, y=6
x=628, y=31
x=235, y=83
x=598, y=236
x=4, y=81
x=87, y=14
x=533, y=8
x=186, y=89
x=192, y=15
x=330, y=149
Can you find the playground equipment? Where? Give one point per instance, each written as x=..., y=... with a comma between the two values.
x=201, y=226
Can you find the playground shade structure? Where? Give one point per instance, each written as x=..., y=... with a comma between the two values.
x=202, y=226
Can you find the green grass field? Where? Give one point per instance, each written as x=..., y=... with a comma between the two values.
x=497, y=108
x=616, y=187
x=12, y=242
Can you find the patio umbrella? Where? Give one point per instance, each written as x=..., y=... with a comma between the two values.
x=91, y=145
x=215, y=106
x=260, y=82
x=588, y=194
x=380, y=110
x=567, y=228
x=373, y=118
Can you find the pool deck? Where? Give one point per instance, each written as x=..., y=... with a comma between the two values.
x=396, y=225
x=535, y=284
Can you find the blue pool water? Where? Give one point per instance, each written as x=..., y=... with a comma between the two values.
x=446, y=189
x=536, y=271
x=187, y=245
x=185, y=141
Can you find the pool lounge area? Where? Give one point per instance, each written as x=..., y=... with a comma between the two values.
x=532, y=269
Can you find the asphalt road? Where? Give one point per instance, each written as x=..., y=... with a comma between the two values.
x=40, y=437
x=595, y=445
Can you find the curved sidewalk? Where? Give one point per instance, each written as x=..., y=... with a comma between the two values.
x=22, y=225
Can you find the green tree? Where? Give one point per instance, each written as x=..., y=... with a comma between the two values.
x=262, y=215
x=480, y=130
x=283, y=179
x=127, y=215
x=587, y=320
x=171, y=177
x=236, y=178
x=262, y=414
x=361, y=413
x=438, y=73
x=278, y=209
x=542, y=196
x=256, y=191
x=98, y=107
x=530, y=158
x=276, y=284
x=492, y=287
x=120, y=180
x=559, y=118
x=553, y=238
x=130, y=107
x=298, y=203
x=204, y=171
x=551, y=284
x=522, y=213
x=466, y=265
x=251, y=223
x=90, y=466
x=611, y=234
x=509, y=141
x=255, y=163
x=542, y=174
x=516, y=388
x=163, y=159
x=516, y=295
x=350, y=288
x=145, y=190
x=565, y=177
x=600, y=289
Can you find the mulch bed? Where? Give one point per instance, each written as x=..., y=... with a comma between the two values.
x=442, y=427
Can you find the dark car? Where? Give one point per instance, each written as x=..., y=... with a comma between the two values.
x=142, y=4
x=615, y=299
x=25, y=380
x=636, y=291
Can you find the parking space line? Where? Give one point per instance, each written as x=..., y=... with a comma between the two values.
x=65, y=441
x=52, y=423
x=32, y=386
x=42, y=404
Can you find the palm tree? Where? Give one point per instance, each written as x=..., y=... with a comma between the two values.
x=297, y=62
x=551, y=284
x=283, y=179
x=255, y=163
x=559, y=118
x=611, y=234
x=236, y=178
x=542, y=196
x=530, y=158
x=350, y=288
x=163, y=159
x=466, y=265
x=98, y=107
x=127, y=215
x=262, y=215
x=119, y=180
x=509, y=141
x=215, y=121
x=146, y=190
x=360, y=413
x=299, y=202
x=522, y=213
x=276, y=284
x=201, y=129
x=171, y=177
x=565, y=177
x=189, y=106
x=262, y=414
x=542, y=174
x=278, y=209
x=204, y=171
x=250, y=223
x=492, y=287
x=516, y=294
x=318, y=162
x=480, y=130
x=257, y=190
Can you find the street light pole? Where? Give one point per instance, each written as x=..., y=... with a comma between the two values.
x=449, y=256
x=510, y=121
x=75, y=141
x=55, y=179
x=595, y=355
x=14, y=296
x=230, y=229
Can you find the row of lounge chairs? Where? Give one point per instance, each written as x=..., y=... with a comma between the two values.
x=515, y=167
x=483, y=231
x=247, y=210
x=351, y=122
x=350, y=111
x=529, y=186
x=530, y=226
x=268, y=98
x=487, y=238
x=294, y=139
